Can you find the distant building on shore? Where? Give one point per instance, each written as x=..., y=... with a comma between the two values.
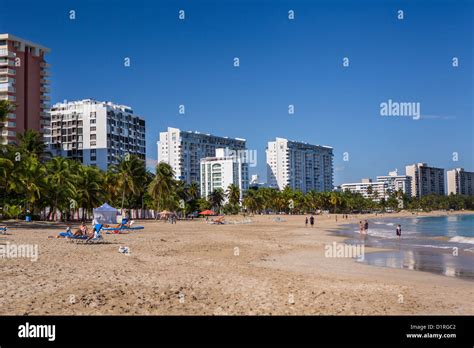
x=223, y=170
x=300, y=166
x=382, y=188
x=425, y=180
x=183, y=151
x=396, y=183
x=460, y=182
x=255, y=182
x=96, y=133
x=368, y=189
x=23, y=82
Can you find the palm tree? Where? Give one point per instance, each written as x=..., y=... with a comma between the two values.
x=216, y=198
x=162, y=187
x=90, y=191
x=131, y=172
x=233, y=194
x=193, y=190
x=31, y=143
x=335, y=200
x=33, y=181
x=251, y=200
x=111, y=186
x=62, y=178
x=370, y=191
x=6, y=107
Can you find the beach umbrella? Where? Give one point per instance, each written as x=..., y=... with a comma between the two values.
x=207, y=212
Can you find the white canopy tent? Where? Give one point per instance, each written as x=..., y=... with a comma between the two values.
x=105, y=214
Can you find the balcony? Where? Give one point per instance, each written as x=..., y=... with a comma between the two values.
x=8, y=97
x=45, y=81
x=44, y=73
x=6, y=71
x=44, y=114
x=45, y=97
x=45, y=65
x=6, y=62
x=8, y=89
x=44, y=106
x=5, y=53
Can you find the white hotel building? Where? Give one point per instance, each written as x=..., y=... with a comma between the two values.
x=379, y=189
x=396, y=183
x=223, y=170
x=382, y=188
x=460, y=182
x=96, y=133
x=300, y=166
x=183, y=151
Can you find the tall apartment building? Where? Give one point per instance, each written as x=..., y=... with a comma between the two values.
x=396, y=182
x=96, y=133
x=23, y=81
x=425, y=180
x=183, y=151
x=223, y=170
x=460, y=182
x=299, y=165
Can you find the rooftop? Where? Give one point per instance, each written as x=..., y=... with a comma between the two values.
x=11, y=37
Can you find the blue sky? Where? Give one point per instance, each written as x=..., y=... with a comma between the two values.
x=282, y=62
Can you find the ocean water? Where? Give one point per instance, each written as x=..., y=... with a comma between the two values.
x=437, y=244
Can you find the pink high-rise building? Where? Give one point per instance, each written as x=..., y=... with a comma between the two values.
x=23, y=81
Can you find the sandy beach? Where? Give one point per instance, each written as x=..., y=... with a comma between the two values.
x=265, y=267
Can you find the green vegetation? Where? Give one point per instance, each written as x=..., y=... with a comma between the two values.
x=31, y=180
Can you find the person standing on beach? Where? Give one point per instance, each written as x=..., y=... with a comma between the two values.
x=366, y=226
x=306, y=222
x=361, y=227
x=399, y=231
x=311, y=220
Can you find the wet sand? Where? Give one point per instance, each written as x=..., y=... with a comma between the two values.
x=191, y=268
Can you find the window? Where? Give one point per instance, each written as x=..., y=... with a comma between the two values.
x=93, y=129
x=93, y=136
x=93, y=143
x=92, y=121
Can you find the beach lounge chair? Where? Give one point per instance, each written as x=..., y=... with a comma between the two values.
x=3, y=229
x=122, y=228
x=97, y=238
x=218, y=221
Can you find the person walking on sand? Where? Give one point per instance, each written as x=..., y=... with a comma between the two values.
x=306, y=222
x=311, y=220
x=361, y=227
x=399, y=231
x=366, y=226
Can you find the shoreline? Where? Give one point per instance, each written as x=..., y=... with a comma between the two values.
x=409, y=256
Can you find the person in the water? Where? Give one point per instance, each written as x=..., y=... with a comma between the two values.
x=399, y=231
